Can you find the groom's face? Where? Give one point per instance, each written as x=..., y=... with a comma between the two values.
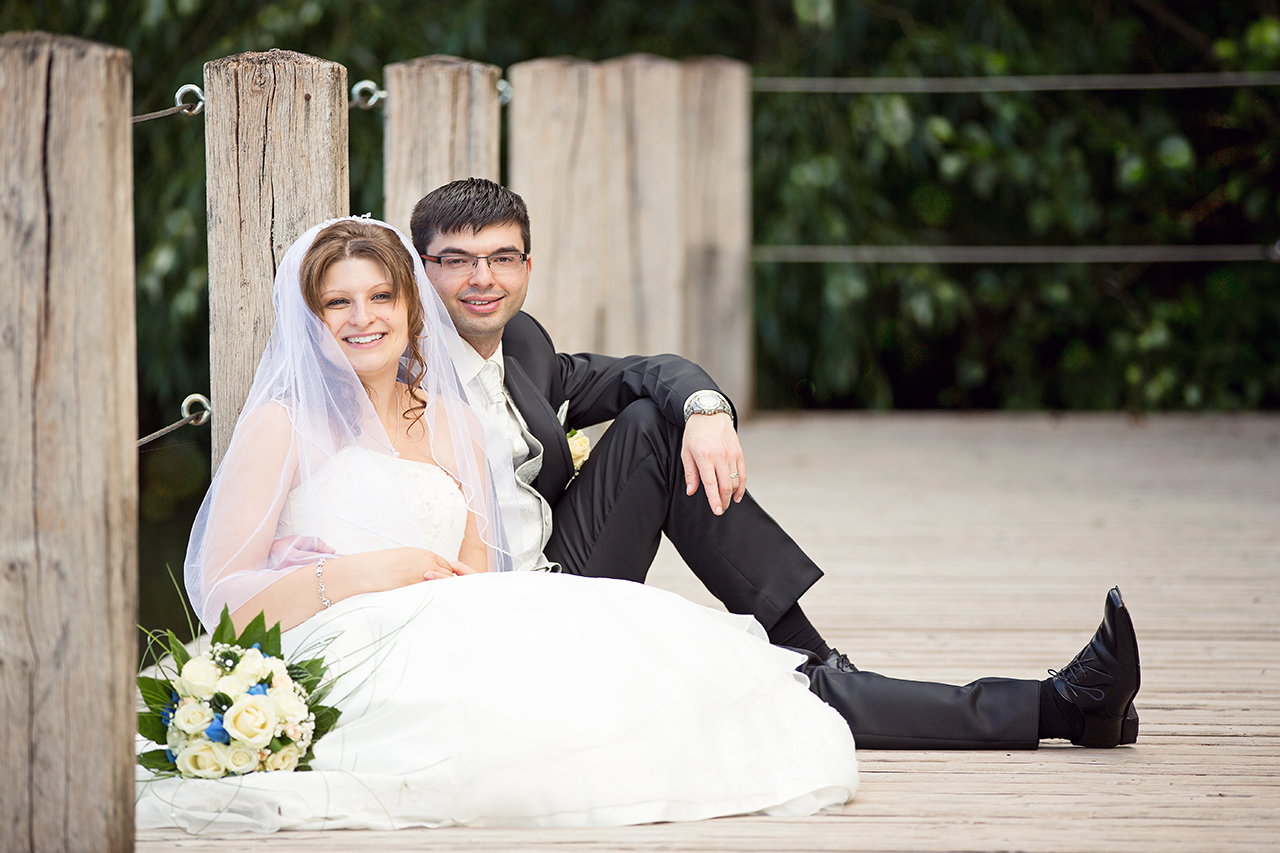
x=480, y=301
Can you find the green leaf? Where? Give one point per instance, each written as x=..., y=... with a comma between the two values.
x=326, y=719
x=150, y=727
x=156, y=760
x=178, y=650
x=226, y=630
x=321, y=691
x=308, y=673
x=155, y=693
x=220, y=702
x=254, y=632
x=271, y=645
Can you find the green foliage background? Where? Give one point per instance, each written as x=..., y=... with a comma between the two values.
x=1026, y=168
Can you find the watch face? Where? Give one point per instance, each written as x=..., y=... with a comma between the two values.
x=708, y=401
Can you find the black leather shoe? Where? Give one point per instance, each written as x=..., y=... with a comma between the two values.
x=835, y=660
x=1103, y=679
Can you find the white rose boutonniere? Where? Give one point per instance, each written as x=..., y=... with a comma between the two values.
x=579, y=448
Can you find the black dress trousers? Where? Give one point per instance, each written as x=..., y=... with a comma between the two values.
x=893, y=713
x=631, y=490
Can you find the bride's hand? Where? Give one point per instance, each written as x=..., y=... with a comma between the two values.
x=399, y=567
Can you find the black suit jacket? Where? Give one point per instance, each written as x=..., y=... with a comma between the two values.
x=598, y=388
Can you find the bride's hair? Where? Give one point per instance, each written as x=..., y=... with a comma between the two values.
x=354, y=238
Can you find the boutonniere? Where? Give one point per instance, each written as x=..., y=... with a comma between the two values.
x=579, y=448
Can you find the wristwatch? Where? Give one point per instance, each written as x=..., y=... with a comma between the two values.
x=706, y=403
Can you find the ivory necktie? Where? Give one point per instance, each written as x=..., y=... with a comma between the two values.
x=491, y=382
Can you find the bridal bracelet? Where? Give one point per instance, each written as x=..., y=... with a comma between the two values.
x=320, y=579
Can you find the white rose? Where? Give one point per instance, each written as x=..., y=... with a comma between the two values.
x=579, y=448
x=202, y=758
x=286, y=759
x=279, y=672
x=288, y=704
x=252, y=667
x=251, y=719
x=198, y=677
x=241, y=759
x=232, y=685
x=193, y=718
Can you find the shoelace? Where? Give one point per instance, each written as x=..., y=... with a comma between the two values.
x=1078, y=669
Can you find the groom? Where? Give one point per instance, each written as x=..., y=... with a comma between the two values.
x=673, y=432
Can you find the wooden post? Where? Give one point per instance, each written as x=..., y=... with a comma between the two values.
x=642, y=184
x=443, y=121
x=556, y=162
x=717, y=288
x=276, y=158
x=68, y=466
x=637, y=174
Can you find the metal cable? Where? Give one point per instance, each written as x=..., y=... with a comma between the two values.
x=1013, y=254
x=188, y=417
x=1033, y=83
x=192, y=109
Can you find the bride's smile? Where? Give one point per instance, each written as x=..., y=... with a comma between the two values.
x=365, y=317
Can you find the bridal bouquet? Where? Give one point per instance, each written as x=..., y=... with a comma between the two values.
x=237, y=708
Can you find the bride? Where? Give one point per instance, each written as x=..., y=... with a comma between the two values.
x=367, y=503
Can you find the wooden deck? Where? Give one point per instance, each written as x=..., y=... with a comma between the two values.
x=963, y=546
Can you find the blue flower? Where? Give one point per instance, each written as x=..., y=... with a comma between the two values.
x=257, y=646
x=215, y=732
x=258, y=689
x=168, y=753
x=166, y=713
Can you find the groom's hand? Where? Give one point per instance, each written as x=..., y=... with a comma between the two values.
x=712, y=454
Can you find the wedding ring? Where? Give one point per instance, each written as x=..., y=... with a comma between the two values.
x=733, y=476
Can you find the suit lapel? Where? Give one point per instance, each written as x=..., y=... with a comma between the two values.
x=541, y=420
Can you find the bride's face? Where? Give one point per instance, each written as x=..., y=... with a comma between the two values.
x=362, y=313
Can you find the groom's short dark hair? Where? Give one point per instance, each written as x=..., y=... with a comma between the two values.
x=467, y=206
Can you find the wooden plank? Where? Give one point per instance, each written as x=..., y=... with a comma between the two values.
x=68, y=467
x=276, y=160
x=716, y=173
x=557, y=164
x=442, y=124
x=644, y=205
x=963, y=546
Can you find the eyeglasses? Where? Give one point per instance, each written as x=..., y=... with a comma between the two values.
x=464, y=265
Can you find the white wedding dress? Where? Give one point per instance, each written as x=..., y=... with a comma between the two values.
x=526, y=698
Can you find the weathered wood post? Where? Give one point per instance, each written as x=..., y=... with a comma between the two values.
x=443, y=120
x=68, y=466
x=638, y=178
x=643, y=151
x=555, y=126
x=719, y=331
x=276, y=157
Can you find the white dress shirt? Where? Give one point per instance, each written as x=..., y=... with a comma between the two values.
x=526, y=454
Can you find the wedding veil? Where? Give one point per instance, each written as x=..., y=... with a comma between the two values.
x=306, y=405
